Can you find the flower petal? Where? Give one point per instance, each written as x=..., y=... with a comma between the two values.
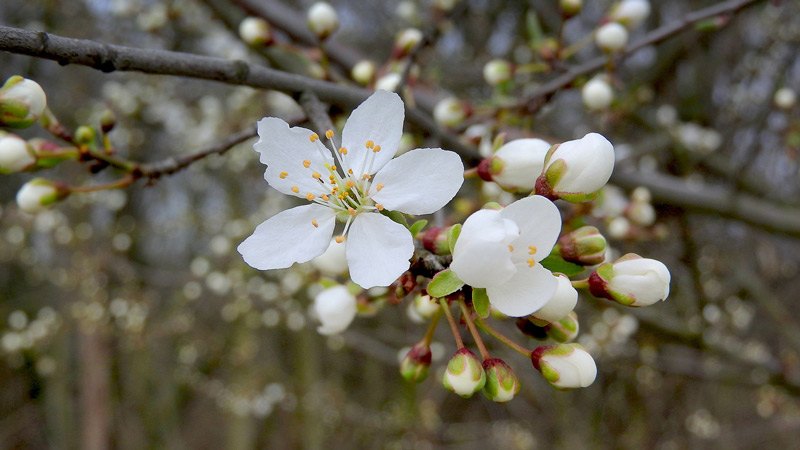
x=481, y=257
x=421, y=181
x=527, y=291
x=380, y=120
x=289, y=237
x=539, y=224
x=378, y=250
x=286, y=152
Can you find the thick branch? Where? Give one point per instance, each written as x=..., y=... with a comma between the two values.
x=540, y=95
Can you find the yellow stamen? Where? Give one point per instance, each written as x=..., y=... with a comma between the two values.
x=329, y=134
x=310, y=196
x=366, y=176
x=343, y=150
x=510, y=248
x=283, y=175
x=350, y=171
x=531, y=262
x=531, y=249
x=379, y=187
x=295, y=189
x=350, y=184
x=313, y=137
x=306, y=163
x=370, y=144
x=316, y=175
x=376, y=149
x=379, y=207
x=339, y=239
x=325, y=197
x=315, y=223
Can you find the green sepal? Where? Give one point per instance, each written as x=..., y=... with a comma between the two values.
x=480, y=301
x=417, y=226
x=555, y=263
x=444, y=283
x=396, y=216
x=452, y=236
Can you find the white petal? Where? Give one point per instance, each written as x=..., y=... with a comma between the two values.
x=285, y=150
x=481, y=257
x=421, y=181
x=527, y=291
x=523, y=160
x=289, y=237
x=335, y=308
x=561, y=303
x=590, y=161
x=379, y=119
x=539, y=224
x=332, y=262
x=378, y=250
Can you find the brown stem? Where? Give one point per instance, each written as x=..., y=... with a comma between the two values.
x=452, y=322
x=502, y=338
x=475, y=335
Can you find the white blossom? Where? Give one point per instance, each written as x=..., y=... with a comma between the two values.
x=519, y=163
x=576, y=169
x=632, y=281
x=23, y=101
x=36, y=195
x=565, y=366
x=322, y=19
x=561, y=303
x=611, y=37
x=630, y=13
x=335, y=308
x=354, y=188
x=597, y=93
x=14, y=154
x=255, y=31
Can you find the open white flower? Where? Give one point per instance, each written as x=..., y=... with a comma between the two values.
x=501, y=250
x=361, y=182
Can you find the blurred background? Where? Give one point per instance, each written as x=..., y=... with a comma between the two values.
x=128, y=320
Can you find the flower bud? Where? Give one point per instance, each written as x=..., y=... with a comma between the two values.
x=570, y=8
x=255, y=31
x=434, y=240
x=611, y=37
x=322, y=19
x=575, y=170
x=335, y=308
x=444, y=5
x=619, y=228
x=597, y=93
x=630, y=13
x=107, y=121
x=22, y=102
x=15, y=156
x=388, y=82
x=516, y=165
x=333, y=261
x=642, y=213
x=501, y=382
x=565, y=366
x=414, y=366
x=37, y=194
x=565, y=329
x=631, y=281
x=363, y=72
x=406, y=41
x=562, y=303
x=425, y=306
x=785, y=98
x=450, y=112
x=497, y=71
x=464, y=374
x=584, y=246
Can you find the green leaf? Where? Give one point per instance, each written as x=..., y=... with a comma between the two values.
x=417, y=226
x=396, y=216
x=452, y=236
x=444, y=283
x=480, y=301
x=555, y=263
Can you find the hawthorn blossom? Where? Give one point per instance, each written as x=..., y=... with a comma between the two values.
x=501, y=251
x=362, y=181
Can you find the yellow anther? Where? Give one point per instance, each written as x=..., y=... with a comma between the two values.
x=295, y=189
x=339, y=239
x=531, y=249
x=376, y=149
x=351, y=211
x=283, y=175
x=325, y=197
x=306, y=163
x=350, y=184
x=342, y=150
x=310, y=196
x=315, y=223
x=316, y=175
x=329, y=134
x=313, y=137
x=366, y=176
x=350, y=171
x=379, y=207
x=333, y=167
x=510, y=248
x=370, y=144
x=531, y=262
x=379, y=187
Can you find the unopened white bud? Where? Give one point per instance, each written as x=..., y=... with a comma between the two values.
x=630, y=13
x=407, y=40
x=785, y=98
x=497, y=71
x=597, y=93
x=37, y=194
x=666, y=115
x=641, y=194
x=518, y=163
x=450, y=112
x=619, y=227
x=255, y=31
x=561, y=304
x=577, y=169
x=388, y=82
x=611, y=37
x=22, y=102
x=335, y=308
x=642, y=213
x=333, y=261
x=363, y=72
x=571, y=7
x=406, y=10
x=15, y=156
x=565, y=366
x=631, y=281
x=322, y=19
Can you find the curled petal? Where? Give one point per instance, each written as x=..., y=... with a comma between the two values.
x=421, y=181
x=527, y=291
x=378, y=250
x=289, y=237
